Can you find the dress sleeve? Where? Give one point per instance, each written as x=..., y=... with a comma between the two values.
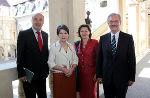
x=52, y=57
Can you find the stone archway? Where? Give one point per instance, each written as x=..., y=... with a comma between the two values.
x=12, y=50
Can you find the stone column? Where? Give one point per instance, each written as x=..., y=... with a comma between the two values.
x=122, y=10
x=134, y=21
x=5, y=52
x=68, y=12
x=148, y=30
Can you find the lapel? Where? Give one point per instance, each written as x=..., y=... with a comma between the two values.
x=108, y=42
x=79, y=47
x=119, y=43
x=87, y=46
x=44, y=39
x=33, y=38
x=62, y=51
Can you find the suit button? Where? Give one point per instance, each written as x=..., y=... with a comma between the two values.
x=82, y=54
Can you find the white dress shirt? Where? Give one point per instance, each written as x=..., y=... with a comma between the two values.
x=58, y=56
x=36, y=35
x=116, y=37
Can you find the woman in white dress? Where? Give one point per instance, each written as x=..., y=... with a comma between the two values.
x=62, y=61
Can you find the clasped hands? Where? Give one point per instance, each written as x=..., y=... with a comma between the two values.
x=68, y=72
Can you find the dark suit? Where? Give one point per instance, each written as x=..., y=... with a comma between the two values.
x=30, y=57
x=116, y=70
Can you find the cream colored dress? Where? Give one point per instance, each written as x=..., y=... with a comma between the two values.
x=58, y=56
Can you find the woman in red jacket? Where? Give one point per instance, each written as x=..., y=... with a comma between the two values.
x=87, y=53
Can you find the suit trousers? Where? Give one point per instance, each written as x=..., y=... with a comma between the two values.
x=37, y=86
x=112, y=91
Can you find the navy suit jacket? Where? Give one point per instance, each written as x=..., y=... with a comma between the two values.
x=119, y=69
x=29, y=55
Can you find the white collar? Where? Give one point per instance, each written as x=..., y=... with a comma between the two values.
x=58, y=43
x=117, y=34
x=35, y=30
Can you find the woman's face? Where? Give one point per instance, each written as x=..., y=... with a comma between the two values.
x=84, y=33
x=63, y=35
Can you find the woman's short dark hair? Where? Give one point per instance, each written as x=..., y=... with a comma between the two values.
x=64, y=27
x=84, y=25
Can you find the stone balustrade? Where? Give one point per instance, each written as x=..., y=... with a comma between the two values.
x=8, y=73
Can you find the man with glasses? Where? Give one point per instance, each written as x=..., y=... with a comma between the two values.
x=116, y=63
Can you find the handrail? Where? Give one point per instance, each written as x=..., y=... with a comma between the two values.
x=100, y=31
x=100, y=26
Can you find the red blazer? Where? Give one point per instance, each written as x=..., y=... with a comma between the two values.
x=87, y=56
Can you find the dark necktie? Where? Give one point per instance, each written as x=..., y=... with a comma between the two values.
x=113, y=44
x=39, y=41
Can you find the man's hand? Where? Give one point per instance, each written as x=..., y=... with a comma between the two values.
x=130, y=83
x=24, y=79
x=99, y=80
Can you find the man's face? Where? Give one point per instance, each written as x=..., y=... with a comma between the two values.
x=38, y=21
x=114, y=23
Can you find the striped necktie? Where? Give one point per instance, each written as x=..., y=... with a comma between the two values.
x=113, y=44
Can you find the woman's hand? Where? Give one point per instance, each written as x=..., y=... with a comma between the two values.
x=70, y=71
x=65, y=70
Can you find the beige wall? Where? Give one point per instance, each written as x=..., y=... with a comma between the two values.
x=68, y=12
x=149, y=31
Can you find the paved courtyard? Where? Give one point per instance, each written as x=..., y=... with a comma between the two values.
x=140, y=89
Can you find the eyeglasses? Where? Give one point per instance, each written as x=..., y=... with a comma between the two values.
x=116, y=21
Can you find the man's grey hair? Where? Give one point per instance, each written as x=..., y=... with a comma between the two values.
x=113, y=14
x=36, y=14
